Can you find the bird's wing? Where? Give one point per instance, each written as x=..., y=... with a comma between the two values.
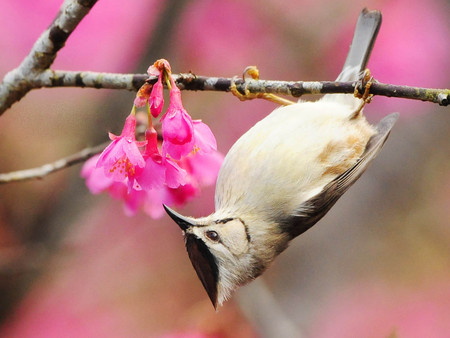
x=315, y=208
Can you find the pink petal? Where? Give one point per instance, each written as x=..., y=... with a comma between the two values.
x=104, y=158
x=96, y=181
x=129, y=127
x=154, y=200
x=133, y=154
x=205, y=141
x=156, y=99
x=153, y=71
x=177, y=151
x=152, y=176
x=113, y=137
x=152, y=142
x=177, y=126
x=184, y=193
x=133, y=201
x=165, y=64
x=175, y=176
x=122, y=146
x=118, y=190
x=204, y=168
x=140, y=101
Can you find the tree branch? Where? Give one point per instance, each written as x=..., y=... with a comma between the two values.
x=58, y=78
x=18, y=82
x=81, y=156
x=40, y=172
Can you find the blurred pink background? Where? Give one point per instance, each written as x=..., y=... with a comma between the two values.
x=74, y=265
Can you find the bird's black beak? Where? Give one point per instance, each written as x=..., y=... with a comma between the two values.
x=204, y=264
x=183, y=222
x=201, y=257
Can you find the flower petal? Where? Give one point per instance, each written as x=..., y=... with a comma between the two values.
x=156, y=99
x=177, y=126
x=205, y=141
x=204, y=168
x=96, y=180
x=152, y=176
x=175, y=176
x=177, y=151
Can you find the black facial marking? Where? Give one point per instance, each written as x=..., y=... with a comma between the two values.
x=247, y=233
x=223, y=221
x=204, y=264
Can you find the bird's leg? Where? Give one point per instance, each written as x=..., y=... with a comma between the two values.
x=366, y=97
x=253, y=72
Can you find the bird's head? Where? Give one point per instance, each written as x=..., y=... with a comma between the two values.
x=225, y=252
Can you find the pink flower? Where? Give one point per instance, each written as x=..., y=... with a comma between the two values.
x=143, y=95
x=177, y=127
x=203, y=168
x=133, y=201
x=175, y=176
x=122, y=156
x=158, y=169
x=154, y=200
x=153, y=71
x=150, y=178
x=156, y=99
x=158, y=67
x=172, y=197
x=205, y=141
x=140, y=101
x=96, y=180
x=152, y=175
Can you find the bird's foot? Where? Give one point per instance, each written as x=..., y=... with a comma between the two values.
x=253, y=73
x=366, y=97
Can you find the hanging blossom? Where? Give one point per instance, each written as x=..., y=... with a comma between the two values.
x=146, y=174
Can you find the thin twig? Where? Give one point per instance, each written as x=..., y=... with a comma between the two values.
x=81, y=156
x=18, y=82
x=191, y=81
x=40, y=172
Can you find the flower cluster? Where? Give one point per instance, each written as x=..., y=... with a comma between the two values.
x=149, y=173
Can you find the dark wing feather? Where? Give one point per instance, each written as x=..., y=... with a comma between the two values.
x=314, y=209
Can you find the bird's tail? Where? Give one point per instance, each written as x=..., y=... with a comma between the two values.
x=366, y=31
x=364, y=37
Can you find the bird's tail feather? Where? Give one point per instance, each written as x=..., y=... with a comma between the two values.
x=366, y=31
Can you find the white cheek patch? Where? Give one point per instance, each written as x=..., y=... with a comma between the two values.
x=234, y=237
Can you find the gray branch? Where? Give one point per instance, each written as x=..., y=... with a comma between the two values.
x=133, y=82
x=42, y=171
x=18, y=82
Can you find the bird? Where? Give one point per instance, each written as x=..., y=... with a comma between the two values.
x=283, y=175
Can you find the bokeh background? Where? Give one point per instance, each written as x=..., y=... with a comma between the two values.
x=73, y=265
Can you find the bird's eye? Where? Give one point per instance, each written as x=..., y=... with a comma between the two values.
x=212, y=235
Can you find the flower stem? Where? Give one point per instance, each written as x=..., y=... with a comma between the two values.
x=167, y=78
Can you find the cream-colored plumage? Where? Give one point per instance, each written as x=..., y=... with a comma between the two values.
x=306, y=144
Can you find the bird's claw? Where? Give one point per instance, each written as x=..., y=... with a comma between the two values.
x=366, y=82
x=253, y=73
